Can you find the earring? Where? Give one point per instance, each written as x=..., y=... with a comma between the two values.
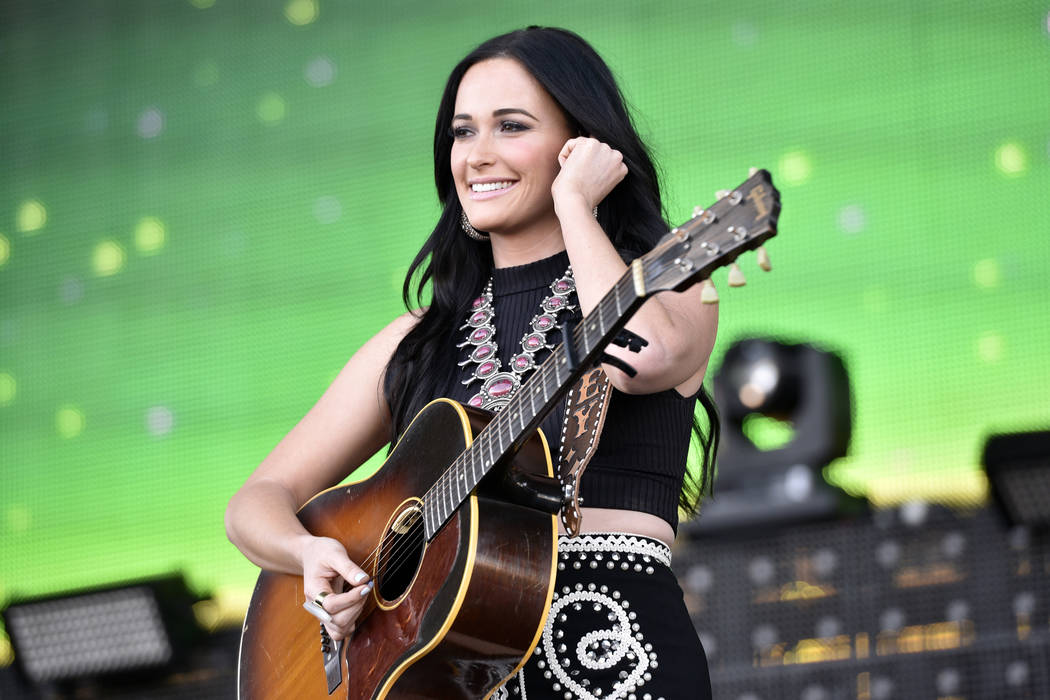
x=464, y=222
x=595, y=212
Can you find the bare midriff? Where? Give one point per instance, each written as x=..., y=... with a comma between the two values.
x=628, y=521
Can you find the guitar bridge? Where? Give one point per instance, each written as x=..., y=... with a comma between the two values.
x=331, y=657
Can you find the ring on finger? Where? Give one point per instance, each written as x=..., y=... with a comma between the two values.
x=319, y=599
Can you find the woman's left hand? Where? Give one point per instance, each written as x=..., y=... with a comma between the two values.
x=590, y=170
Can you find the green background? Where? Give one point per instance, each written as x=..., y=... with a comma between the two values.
x=207, y=206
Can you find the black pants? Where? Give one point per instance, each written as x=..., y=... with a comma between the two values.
x=617, y=630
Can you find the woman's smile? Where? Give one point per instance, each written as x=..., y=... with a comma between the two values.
x=487, y=189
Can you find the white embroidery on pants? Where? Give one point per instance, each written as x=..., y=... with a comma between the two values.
x=600, y=649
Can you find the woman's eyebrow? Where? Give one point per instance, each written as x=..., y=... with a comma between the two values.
x=499, y=113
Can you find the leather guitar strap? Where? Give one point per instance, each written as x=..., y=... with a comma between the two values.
x=585, y=413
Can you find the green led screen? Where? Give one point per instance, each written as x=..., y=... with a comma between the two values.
x=206, y=206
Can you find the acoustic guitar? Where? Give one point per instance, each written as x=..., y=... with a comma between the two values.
x=457, y=528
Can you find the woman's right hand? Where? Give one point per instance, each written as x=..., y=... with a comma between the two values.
x=325, y=567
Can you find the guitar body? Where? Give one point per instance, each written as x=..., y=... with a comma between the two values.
x=451, y=618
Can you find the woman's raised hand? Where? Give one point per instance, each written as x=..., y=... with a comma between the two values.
x=590, y=170
x=325, y=567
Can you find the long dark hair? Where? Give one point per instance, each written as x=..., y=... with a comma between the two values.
x=456, y=267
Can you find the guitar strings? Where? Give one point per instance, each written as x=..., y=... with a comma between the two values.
x=397, y=549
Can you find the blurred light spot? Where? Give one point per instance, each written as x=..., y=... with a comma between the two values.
x=69, y=421
x=794, y=168
x=151, y=123
x=874, y=300
x=31, y=216
x=990, y=347
x=300, y=12
x=270, y=109
x=9, y=332
x=205, y=73
x=744, y=34
x=986, y=273
x=958, y=611
x=319, y=72
x=202, y=4
x=150, y=235
x=8, y=389
x=71, y=291
x=852, y=219
x=96, y=120
x=234, y=243
x=18, y=518
x=7, y=652
x=108, y=258
x=328, y=210
x=5, y=250
x=948, y=681
x=1011, y=159
x=159, y=420
x=827, y=627
x=891, y=620
x=1017, y=673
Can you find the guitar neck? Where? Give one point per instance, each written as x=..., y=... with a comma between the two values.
x=739, y=221
x=509, y=429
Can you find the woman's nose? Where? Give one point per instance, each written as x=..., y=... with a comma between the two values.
x=481, y=152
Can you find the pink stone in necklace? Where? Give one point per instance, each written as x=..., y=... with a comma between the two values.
x=499, y=386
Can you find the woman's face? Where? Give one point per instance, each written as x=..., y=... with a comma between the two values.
x=507, y=132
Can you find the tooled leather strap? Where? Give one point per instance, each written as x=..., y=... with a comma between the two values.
x=585, y=413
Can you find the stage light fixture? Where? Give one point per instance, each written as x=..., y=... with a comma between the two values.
x=801, y=395
x=1018, y=470
x=100, y=632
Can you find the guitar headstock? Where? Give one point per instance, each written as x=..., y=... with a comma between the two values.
x=739, y=221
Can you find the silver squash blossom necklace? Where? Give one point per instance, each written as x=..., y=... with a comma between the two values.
x=499, y=386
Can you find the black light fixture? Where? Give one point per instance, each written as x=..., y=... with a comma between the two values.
x=1018, y=470
x=133, y=627
x=801, y=395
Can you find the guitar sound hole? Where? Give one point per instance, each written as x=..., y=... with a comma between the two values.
x=401, y=553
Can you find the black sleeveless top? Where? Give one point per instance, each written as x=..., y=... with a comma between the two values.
x=640, y=461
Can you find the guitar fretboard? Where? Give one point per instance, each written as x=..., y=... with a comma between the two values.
x=512, y=426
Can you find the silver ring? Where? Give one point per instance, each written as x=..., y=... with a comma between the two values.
x=319, y=599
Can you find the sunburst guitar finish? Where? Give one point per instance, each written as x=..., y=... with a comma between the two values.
x=450, y=618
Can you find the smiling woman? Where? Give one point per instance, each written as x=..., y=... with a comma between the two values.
x=546, y=189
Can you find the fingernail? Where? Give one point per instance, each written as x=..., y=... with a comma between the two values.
x=360, y=577
x=366, y=589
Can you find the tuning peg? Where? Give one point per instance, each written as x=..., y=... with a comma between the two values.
x=736, y=276
x=708, y=293
x=763, y=259
x=697, y=211
x=721, y=193
x=751, y=172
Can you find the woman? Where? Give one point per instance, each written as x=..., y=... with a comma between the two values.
x=542, y=178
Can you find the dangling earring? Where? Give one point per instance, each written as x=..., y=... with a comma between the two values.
x=470, y=230
x=595, y=211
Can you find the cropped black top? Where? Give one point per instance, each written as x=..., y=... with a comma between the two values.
x=640, y=461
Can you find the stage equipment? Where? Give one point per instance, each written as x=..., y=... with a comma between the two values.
x=806, y=392
x=138, y=626
x=1018, y=469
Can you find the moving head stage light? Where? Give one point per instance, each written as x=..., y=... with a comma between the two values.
x=793, y=390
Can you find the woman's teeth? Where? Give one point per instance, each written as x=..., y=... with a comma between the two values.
x=489, y=186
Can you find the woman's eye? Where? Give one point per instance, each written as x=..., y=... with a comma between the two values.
x=512, y=126
x=459, y=132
